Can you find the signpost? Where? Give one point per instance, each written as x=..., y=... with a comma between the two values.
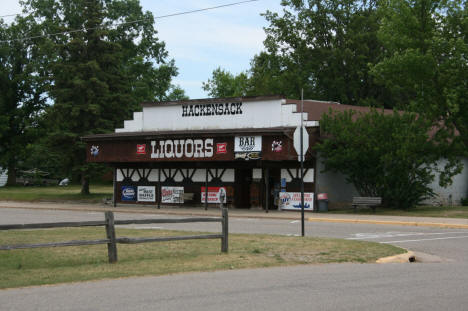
x=297, y=141
x=301, y=144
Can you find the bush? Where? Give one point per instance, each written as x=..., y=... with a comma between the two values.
x=464, y=201
x=388, y=155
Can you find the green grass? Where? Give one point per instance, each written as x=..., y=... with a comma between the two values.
x=55, y=193
x=29, y=267
x=424, y=211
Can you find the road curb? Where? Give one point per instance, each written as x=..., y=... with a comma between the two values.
x=390, y=222
x=409, y=256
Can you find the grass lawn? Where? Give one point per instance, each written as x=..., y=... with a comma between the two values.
x=424, y=211
x=70, y=264
x=55, y=193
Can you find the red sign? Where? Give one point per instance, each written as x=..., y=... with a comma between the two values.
x=221, y=148
x=215, y=194
x=141, y=149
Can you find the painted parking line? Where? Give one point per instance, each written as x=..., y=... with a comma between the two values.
x=434, y=239
x=365, y=236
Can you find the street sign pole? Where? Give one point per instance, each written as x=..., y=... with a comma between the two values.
x=302, y=163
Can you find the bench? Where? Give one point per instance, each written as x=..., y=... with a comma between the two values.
x=366, y=201
x=188, y=197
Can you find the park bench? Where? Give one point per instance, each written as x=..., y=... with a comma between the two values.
x=372, y=202
x=188, y=197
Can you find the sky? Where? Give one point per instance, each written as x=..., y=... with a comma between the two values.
x=200, y=42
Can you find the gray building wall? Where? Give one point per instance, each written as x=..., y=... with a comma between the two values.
x=340, y=193
x=453, y=194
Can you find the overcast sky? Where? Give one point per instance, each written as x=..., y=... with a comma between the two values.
x=200, y=42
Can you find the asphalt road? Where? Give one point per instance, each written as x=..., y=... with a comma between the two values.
x=436, y=285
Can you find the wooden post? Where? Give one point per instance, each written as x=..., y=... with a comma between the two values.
x=114, y=186
x=267, y=192
x=225, y=230
x=110, y=232
x=206, y=190
x=159, y=188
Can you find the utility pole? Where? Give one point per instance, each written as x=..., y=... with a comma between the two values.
x=302, y=163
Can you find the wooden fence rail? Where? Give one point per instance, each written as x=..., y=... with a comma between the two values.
x=112, y=240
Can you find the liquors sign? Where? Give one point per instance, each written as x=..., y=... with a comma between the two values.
x=182, y=148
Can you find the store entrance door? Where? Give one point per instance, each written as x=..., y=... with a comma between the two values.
x=243, y=179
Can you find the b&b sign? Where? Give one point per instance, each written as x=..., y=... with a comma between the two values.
x=247, y=143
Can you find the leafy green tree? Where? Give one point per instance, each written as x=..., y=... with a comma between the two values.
x=104, y=58
x=21, y=92
x=424, y=63
x=393, y=156
x=324, y=47
x=225, y=84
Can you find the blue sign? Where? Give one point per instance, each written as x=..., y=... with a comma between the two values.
x=128, y=193
x=283, y=182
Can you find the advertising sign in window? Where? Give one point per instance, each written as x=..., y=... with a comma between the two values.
x=292, y=201
x=172, y=194
x=214, y=194
x=146, y=194
x=128, y=193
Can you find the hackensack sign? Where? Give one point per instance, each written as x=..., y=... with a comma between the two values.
x=211, y=109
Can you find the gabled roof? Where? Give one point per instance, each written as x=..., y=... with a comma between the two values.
x=315, y=109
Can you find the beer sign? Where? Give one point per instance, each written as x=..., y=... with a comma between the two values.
x=247, y=143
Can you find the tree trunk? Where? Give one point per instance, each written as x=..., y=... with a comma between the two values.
x=84, y=184
x=11, y=181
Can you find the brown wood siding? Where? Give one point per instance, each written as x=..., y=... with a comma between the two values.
x=125, y=150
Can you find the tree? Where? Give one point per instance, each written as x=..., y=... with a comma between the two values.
x=225, y=84
x=103, y=60
x=324, y=47
x=392, y=156
x=21, y=92
x=424, y=65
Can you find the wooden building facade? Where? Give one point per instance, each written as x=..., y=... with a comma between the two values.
x=243, y=145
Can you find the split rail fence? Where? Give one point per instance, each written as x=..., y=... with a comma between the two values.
x=112, y=240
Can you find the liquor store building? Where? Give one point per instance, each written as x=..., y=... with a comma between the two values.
x=182, y=151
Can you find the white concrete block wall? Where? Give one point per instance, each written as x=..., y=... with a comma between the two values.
x=228, y=176
x=257, y=173
x=285, y=174
x=309, y=175
x=153, y=176
x=178, y=177
x=200, y=175
x=260, y=114
x=119, y=175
